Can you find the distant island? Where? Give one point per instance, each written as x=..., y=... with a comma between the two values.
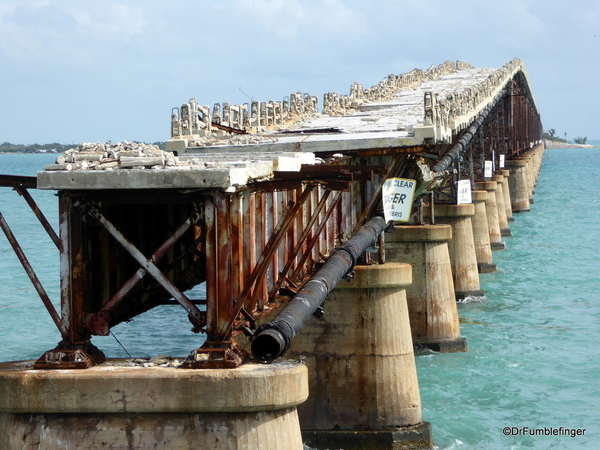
x=549, y=143
x=55, y=147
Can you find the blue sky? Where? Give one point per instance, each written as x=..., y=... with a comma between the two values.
x=92, y=71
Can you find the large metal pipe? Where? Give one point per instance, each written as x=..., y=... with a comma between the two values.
x=273, y=339
x=454, y=153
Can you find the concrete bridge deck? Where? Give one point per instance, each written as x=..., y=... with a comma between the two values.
x=403, y=112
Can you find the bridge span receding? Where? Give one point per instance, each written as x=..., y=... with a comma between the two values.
x=272, y=204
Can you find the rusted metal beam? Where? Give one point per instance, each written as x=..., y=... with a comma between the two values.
x=195, y=314
x=300, y=242
x=18, y=181
x=274, y=338
x=98, y=322
x=38, y=213
x=250, y=294
x=316, y=235
x=33, y=277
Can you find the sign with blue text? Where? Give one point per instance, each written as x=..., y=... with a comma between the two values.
x=488, y=170
x=463, y=192
x=398, y=196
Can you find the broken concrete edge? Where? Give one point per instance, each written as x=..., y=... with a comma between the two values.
x=182, y=177
x=116, y=389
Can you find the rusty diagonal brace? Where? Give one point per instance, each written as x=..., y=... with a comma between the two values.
x=38, y=213
x=300, y=243
x=146, y=264
x=33, y=277
x=156, y=256
x=376, y=197
x=272, y=245
x=311, y=243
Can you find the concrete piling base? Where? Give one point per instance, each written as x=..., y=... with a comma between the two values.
x=502, y=217
x=481, y=234
x=506, y=191
x=364, y=391
x=461, y=247
x=491, y=211
x=518, y=186
x=431, y=299
x=124, y=408
x=408, y=438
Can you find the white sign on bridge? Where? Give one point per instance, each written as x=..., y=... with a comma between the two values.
x=398, y=196
x=463, y=194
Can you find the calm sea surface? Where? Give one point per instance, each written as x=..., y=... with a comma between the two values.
x=534, y=342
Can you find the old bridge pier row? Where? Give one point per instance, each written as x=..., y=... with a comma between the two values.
x=315, y=301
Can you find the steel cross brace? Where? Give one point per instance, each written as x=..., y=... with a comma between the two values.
x=33, y=277
x=196, y=316
x=98, y=322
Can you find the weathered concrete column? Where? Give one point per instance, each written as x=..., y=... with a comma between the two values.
x=461, y=247
x=431, y=301
x=491, y=210
x=517, y=183
x=481, y=234
x=502, y=219
x=364, y=391
x=506, y=191
x=529, y=175
x=124, y=408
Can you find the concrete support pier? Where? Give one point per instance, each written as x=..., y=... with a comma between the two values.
x=506, y=190
x=123, y=408
x=431, y=300
x=481, y=234
x=364, y=392
x=461, y=248
x=491, y=211
x=518, y=185
x=502, y=218
x=529, y=175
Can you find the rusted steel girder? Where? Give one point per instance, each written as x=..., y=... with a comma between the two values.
x=98, y=322
x=195, y=315
x=456, y=150
x=38, y=213
x=18, y=181
x=33, y=277
x=274, y=338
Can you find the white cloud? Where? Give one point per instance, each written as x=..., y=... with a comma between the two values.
x=113, y=22
x=291, y=18
x=42, y=30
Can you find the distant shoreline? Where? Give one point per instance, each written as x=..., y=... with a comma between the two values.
x=31, y=153
x=556, y=144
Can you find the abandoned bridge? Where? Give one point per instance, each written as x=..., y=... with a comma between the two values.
x=334, y=240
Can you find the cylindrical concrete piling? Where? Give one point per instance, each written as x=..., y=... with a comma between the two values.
x=461, y=247
x=481, y=234
x=491, y=210
x=502, y=218
x=506, y=191
x=518, y=185
x=123, y=408
x=529, y=176
x=364, y=391
x=431, y=300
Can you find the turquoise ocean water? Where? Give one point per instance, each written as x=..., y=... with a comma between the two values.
x=534, y=341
